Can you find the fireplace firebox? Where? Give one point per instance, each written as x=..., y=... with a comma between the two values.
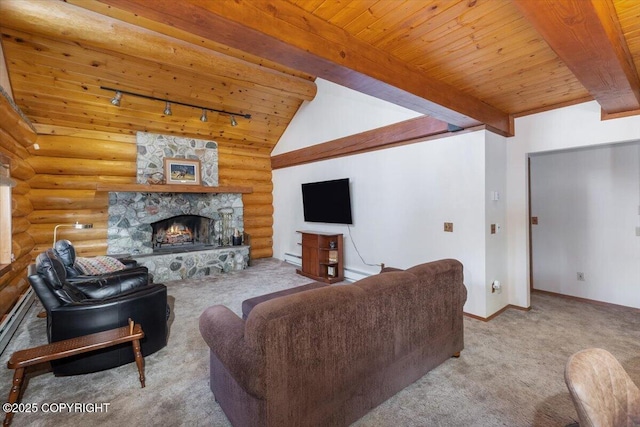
x=181, y=232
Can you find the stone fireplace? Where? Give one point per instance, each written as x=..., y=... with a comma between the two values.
x=176, y=234
x=152, y=228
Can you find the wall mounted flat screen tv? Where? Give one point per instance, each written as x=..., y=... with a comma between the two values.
x=327, y=201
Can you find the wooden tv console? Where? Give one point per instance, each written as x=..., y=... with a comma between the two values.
x=322, y=257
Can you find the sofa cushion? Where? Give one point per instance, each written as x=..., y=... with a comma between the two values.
x=98, y=265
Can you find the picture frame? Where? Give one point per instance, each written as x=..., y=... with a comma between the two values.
x=182, y=171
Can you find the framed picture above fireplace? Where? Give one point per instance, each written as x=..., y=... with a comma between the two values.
x=182, y=171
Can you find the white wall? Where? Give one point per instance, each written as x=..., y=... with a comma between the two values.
x=401, y=196
x=496, y=244
x=570, y=127
x=587, y=203
x=336, y=112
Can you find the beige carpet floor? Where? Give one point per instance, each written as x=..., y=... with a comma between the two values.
x=510, y=372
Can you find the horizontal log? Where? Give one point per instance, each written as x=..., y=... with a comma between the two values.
x=21, y=244
x=258, y=232
x=11, y=293
x=225, y=151
x=68, y=216
x=237, y=174
x=84, y=148
x=44, y=129
x=73, y=182
x=258, y=221
x=21, y=169
x=261, y=253
x=68, y=199
x=43, y=233
x=15, y=124
x=65, y=166
x=258, y=186
x=22, y=187
x=19, y=225
x=20, y=205
x=258, y=210
x=9, y=143
x=82, y=247
x=257, y=199
x=244, y=162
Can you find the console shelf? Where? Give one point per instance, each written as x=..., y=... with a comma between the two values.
x=322, y=258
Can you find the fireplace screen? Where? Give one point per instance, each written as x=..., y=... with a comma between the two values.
x=181, y=230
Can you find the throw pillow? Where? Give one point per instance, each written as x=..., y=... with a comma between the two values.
x=98, y=265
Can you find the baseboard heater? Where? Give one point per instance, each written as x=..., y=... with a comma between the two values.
x=14, y=317
x=350, y=275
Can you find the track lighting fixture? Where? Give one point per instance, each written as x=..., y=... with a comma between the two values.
x=167, y=109
x=116, y=99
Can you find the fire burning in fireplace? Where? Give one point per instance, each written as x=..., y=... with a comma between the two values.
x=181, y=230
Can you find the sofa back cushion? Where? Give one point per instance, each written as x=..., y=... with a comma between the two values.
x=66, y=253
x=53, y=274
x=51, y=269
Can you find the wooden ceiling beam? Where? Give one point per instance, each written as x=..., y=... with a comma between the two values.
x=587, y=36
x=406, y=132
x=59, y=20
x=286, y=34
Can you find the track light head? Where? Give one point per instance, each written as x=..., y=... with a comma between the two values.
x=203, y=117
x=167, y=109
x=116, y=99
x=233, y=121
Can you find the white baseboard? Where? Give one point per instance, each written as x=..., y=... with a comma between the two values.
x=350, y=275
x=13, y=319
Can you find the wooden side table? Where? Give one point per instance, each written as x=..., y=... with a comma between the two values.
x=19, y=360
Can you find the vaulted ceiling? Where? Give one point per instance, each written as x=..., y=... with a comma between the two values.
x=465, y=62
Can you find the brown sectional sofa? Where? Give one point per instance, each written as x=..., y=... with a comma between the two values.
x=327, y=356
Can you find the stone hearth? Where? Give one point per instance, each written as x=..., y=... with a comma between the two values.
x=200, y=263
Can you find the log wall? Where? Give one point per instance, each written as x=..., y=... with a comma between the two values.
x=15, y=136
x=70, y=163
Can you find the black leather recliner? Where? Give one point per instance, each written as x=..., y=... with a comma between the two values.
x=66, y=253
x=88, y=304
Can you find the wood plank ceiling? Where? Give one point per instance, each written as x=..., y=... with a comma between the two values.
x=466, y=62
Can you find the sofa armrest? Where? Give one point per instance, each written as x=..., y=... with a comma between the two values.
x=223, y=331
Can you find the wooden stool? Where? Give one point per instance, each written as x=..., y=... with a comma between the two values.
x=58, y=350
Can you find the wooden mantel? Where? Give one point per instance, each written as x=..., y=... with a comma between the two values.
x=170, y=188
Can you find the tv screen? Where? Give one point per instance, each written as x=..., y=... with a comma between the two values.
x=327, y=201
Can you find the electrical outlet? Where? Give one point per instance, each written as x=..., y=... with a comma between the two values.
x=493, y=229
x=580, y=276
x=534, y=220
x=448, y=227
